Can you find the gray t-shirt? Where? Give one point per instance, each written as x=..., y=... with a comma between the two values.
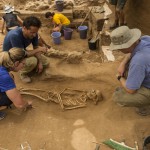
x=139, y=68
x=15, y=38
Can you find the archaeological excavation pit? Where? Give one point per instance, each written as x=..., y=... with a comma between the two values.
x=72, y=99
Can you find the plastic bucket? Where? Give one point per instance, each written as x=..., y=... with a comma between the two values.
x=92, y=44
x=56, y=37
x=83, y=31
x=68, y=33
x=59, y=5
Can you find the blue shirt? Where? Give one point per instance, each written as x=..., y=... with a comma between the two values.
x=139, y=68
x=15, y=38
x=6, y=82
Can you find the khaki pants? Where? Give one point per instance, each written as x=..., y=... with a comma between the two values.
x=138, y=99
x=31, y=64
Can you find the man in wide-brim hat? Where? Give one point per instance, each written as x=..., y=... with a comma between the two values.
x=135, y=90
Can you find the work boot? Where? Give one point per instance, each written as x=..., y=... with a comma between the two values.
x=25, y=78
x=143, y=111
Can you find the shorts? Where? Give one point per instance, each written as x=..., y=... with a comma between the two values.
x=4, y=100
x=118, y=3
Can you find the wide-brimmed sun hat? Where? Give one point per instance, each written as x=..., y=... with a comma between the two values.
x=123, y=37
x=8, y=8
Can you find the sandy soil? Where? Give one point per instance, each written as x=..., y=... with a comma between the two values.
x=47, y=127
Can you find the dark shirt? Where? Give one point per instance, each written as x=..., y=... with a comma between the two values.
x=11, y=20
x=6, y=82
x=15, y=38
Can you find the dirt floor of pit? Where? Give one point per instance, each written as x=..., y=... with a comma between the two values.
x=47, y=127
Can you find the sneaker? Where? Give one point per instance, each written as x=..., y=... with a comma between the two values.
x=2, y=115
x=143, y=111
x=25, y=78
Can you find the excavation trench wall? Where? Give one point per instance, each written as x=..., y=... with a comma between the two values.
x=138, y=14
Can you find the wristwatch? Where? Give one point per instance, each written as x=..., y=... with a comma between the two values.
x=119, y=77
